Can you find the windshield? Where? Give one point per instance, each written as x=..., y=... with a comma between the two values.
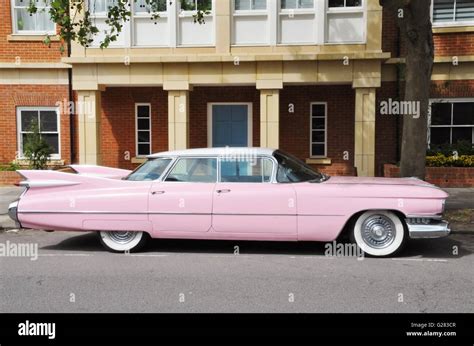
x=150, y=170
x=293, y=170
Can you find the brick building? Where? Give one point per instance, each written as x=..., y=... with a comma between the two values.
x=306, y=76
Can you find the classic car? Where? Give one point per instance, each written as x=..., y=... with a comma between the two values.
x=230, y=193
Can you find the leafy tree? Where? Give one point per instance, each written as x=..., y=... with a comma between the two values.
x=35, y=148
x=414, y=21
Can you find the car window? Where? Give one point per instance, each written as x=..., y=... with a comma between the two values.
x=257, y=170
x=292, y=170
x=195, y=170
x=150, y=170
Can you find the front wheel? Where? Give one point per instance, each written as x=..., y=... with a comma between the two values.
x=379, y=233
x=123, y=241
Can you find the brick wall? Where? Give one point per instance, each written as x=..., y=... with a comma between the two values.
x=12, y=96
x=440, y=176
x=452, y=89
x=118, y=123
x=295, y=127
x=446, y=44
x=9, y=178
x=27, y=51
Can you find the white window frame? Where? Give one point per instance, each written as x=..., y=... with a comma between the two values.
x=136, y=129
x=351, y=9
x=163, y=14
x=251, y=13
x=15, y=30
x=451, y=23
x=295, y=12
x=249, y=120
x=451, y=126
x=325, y=104
x=183, y=14
x=20, y=130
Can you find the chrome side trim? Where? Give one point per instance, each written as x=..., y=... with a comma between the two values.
x=419, y=216
x=157, y=213
x=436, y=230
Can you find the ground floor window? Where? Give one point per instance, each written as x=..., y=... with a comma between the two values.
x=318, y=129
x=47, y=119
x=451, y=122
x=143, y=129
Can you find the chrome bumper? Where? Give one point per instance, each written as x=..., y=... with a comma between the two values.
x=435, y=229
x=13, y=213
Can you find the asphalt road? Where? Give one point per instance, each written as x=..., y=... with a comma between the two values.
x=74, y=274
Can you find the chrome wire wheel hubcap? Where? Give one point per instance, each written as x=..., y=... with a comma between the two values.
x=122, y=237
x=378, y=231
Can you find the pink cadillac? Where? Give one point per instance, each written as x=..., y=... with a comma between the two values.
x=230, y=193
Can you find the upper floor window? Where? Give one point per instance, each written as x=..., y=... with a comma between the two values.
x=249, y=5
x=344, y=3
x=453, y=11
x=250, y=22
x=141, y=6
x=37, y=23
x=295, y=4
x=345, y=21
x=196, y=5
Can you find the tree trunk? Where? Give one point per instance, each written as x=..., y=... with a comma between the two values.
x=417, y=34
x=414, y=20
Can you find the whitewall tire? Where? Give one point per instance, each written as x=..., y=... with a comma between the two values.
x=123, y=241
x=379, y=233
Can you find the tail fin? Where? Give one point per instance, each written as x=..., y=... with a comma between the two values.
x=46, y=179
x=100, y=171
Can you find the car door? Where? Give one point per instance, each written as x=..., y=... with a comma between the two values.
x=182, y=201
x=247, y=202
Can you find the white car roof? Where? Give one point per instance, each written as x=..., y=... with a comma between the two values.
x=226, y=151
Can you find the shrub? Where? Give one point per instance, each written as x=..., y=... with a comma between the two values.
x=36, y=149
x=461, y=147
x=441, y=160
x=11, y=167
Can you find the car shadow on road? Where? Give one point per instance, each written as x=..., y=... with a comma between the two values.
x=426, y=248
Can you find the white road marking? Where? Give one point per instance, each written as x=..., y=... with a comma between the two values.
x=64, y=255
x=420, y=259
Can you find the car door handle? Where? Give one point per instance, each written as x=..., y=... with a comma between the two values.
x=223, y=191
x=157, y=192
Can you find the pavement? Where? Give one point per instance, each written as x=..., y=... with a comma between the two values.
x=74, y=274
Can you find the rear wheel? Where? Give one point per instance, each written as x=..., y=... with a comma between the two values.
x=379, y=233
x=123, y=241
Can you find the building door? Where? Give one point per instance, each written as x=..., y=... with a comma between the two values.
x=230, y=125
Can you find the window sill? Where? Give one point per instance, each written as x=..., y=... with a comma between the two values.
x=139, y=159
x=452, y=29
x=29, y=38
x=319, y=161
x=50, y=163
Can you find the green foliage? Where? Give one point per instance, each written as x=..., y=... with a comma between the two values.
x=11, y=167
x=461, y=148
x=441, y=160
x=76, y=23
x=35, y=148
